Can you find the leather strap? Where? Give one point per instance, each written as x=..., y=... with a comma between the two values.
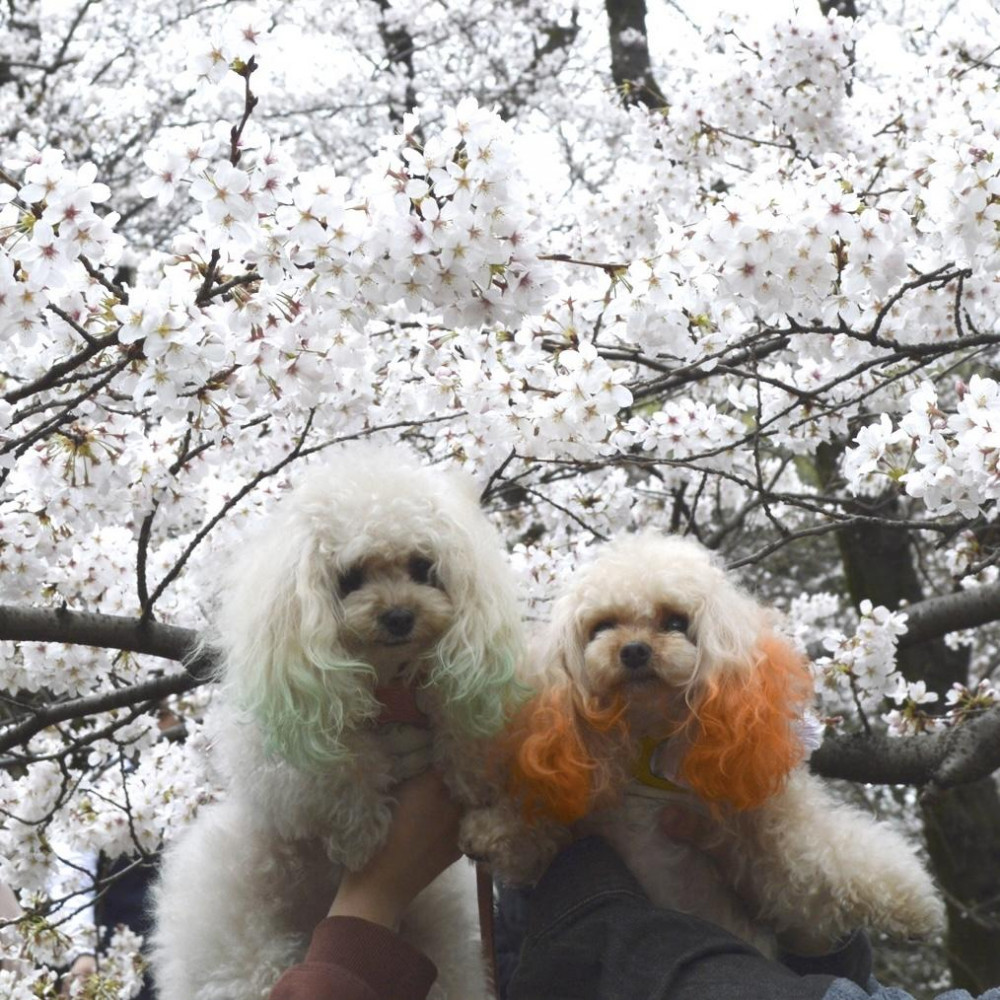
x=484, y=890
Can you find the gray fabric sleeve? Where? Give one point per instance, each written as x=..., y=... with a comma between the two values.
x=844, y=989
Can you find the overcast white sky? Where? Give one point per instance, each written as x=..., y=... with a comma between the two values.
x=703, y=11
x=662, y=16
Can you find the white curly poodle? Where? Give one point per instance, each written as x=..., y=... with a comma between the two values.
x=376, y=589
x=662, y=682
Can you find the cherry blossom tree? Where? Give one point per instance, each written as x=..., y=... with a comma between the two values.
x=735, y=279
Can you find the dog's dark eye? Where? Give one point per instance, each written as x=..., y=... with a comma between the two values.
x=422, y=571
x=676, y=623
x=601, y=626
x=350, y=580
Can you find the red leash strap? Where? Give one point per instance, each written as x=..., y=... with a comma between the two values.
x=484, y=890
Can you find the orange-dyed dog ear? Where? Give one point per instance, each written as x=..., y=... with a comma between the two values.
x=554, y=772
x=744, y=740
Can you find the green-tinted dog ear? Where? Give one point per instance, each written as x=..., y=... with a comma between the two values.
x=284, y=665
x=478, y=676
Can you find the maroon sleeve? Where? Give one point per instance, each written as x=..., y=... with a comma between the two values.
x=354, y=959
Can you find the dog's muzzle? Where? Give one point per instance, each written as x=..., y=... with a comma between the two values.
x=635, y=655
x=398, y=622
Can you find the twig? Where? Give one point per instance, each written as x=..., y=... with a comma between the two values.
x=565, y=510
x=58, y=370
x=116, y=289
x=247, y=488
x=204, y=293
x=250, y=101
x=496, y=475
x=227, y=286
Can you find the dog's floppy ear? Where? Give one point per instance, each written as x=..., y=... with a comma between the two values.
x=565, y=749
x=555, y=772
x=282, y=659
x=744, y=740
x=475, y=662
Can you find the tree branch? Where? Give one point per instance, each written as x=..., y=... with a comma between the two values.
x=938, y=616
x=84, y=628
x=399, y=51
x=110, y=632
x=959, y=755
x=79, y=708
x=57, y=371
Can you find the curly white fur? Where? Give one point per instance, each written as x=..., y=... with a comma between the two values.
x=374, y=571
x=654, y=625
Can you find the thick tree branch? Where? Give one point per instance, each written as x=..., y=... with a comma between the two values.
x=935, y=617
x=57, y=371
x=110, y=632
x=79, y=708
x=81, y=628
x=959, y=755
x=938, y=616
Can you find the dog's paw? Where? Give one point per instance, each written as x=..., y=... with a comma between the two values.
x=518, y=854
x=487, y=835
x=913, y=914
x=898, y=898
x=490, y=833
x=903, y=909
x=480, y=832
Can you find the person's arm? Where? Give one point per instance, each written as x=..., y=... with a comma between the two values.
x=803, y=952
x=355, y=952
x=593, y=935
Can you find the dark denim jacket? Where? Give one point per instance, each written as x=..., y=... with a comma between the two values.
x=591, y=934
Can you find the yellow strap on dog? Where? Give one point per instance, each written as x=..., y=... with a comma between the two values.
x=642, y=768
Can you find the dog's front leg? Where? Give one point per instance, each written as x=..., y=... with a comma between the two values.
x=517, y=852
x=357, y=817
x=493, y=828
x=469, y=772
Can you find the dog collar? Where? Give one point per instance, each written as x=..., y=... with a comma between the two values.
x=642, y=767
x=399, y=704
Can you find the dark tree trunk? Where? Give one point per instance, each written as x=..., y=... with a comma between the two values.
x=879, y=564
x=845, y=8
x=961, y=825
x=399, y=50
x=630, y=67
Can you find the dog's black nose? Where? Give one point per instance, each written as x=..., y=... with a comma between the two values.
x=634, y=655
x=398, y=622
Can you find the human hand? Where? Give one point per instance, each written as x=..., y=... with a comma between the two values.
x=422, y=842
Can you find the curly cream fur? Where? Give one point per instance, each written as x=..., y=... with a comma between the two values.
x=308, y=771
x=798, y=866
